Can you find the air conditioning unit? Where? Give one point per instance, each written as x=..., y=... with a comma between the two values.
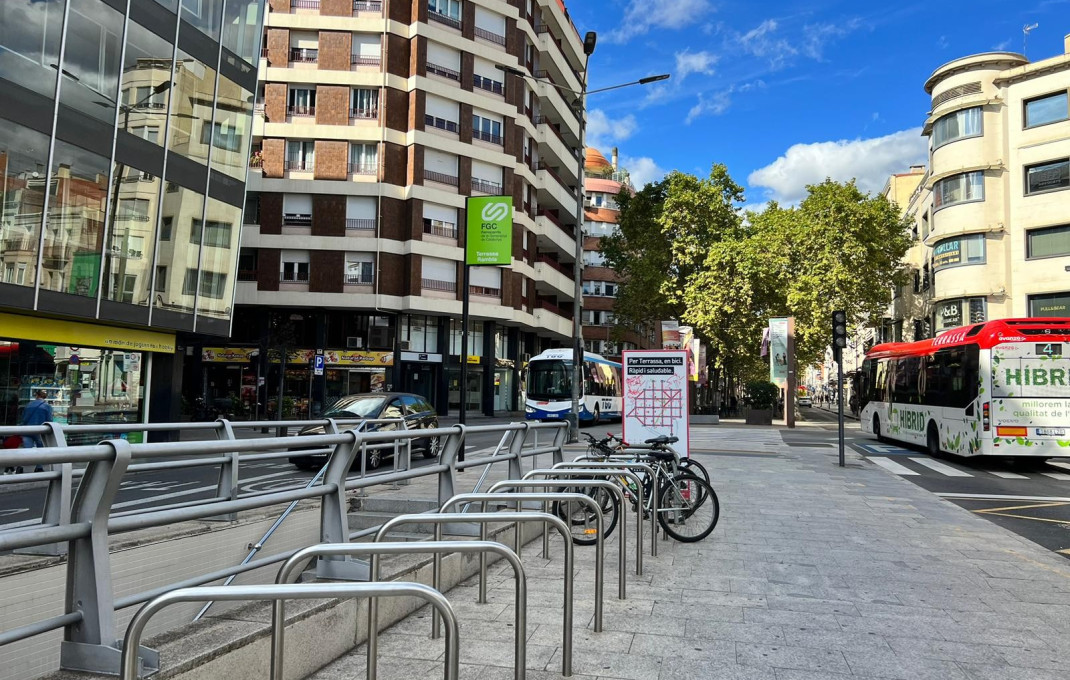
x=354, y=342
x=404, y=345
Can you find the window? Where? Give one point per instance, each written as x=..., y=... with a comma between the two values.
x=450, y=8
x=300, y=155
x=960, y=250
x=950, y=377
x=1048, y=242
x=365, y=103
x=363, y=159
x=134, y=209
x=212, y=284
x=360, y=268
x=295, y=266
x=1052, y=304
x=440, y=228
x=227, y=137
x=440, y=123
x=1051, y=176
x=302, y=102
x=160, y=286
x=959, y=312
x=488, y=84
x=165, y=228
x=1050, y=108
x=487, y=129
x=216, y=234
x=969, y=186
x=957, y=125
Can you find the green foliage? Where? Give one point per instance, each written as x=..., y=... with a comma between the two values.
x=761, y=394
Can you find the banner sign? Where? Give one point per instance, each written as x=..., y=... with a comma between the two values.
x=341, y=357
x=78, y=334
x=778, y=351
x=947, y=253
x=490, y=230
x=227, y=355
x=656, y=396
x=670, y=334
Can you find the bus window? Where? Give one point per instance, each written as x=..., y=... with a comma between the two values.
x=906, y=381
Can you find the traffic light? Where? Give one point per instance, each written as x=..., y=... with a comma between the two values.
x=839, y=332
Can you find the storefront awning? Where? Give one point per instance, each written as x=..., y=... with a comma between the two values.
x=81, y=334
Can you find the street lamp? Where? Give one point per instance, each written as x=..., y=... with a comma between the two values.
x=589, y=42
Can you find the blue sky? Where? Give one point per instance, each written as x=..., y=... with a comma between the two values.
x=787, y=93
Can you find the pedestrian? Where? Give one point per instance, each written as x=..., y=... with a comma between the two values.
x=37, y=412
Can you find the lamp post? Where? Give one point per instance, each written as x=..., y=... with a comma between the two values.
x=589, y=42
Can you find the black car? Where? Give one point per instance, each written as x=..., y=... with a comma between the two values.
x=418, y=415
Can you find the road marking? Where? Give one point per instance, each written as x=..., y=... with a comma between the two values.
x=941, y=468
x=1006, y=475
x=1064, y=552
x=883, y=449
x=892, y=466
x=1024, y=507
x=1056, y=463
x=1061, y=476
x=188, y=492
x=999, y=497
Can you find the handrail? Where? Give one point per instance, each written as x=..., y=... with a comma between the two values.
x=437, y=548
x=483, y=519
x=131, y=651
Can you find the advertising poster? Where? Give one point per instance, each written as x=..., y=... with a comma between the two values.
x=656, y=396
x=670, y=334
x=778, y=351
x=490, y=230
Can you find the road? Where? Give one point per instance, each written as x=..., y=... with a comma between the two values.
x=1030, y=497
x=149, y=489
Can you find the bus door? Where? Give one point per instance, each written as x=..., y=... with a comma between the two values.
x=1031, y=397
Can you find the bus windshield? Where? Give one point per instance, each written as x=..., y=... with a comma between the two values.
x=549, y=380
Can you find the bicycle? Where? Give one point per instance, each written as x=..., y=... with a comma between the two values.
x=688, y=508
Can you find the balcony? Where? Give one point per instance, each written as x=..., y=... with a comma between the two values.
x=303, y=55
x=567, y=271
x=486, y=187
x=368, y=6
x=294, y=277
x=299, y=164
x=444, y=19
x=361, y=60
x=440, y=123
x=488, y=137
x=247, y=275
x=304, y=4
x=363, y=114
x=362, y=168
x=443, y=72
x=440, y=230
x=551, y=307
x=301, y=110
x=490, y=37
x=553, y=173
x=441, y=286
x=484, y=291
x=263, y=53
x=258, y=107
x=440, y=177
x=360, y=224
x=488, y=84
x=297, y=219
x=358, y=279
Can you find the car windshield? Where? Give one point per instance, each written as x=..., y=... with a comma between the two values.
x=360, y=407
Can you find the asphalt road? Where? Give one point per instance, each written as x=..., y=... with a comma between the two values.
x=1031, y=497
x=149, y=489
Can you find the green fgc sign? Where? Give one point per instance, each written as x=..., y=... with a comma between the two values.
x=490, y=230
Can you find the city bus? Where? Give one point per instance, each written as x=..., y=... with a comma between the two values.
x=548, y=387
x=998, y=388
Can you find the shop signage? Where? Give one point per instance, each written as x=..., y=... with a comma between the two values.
x=656, y=396
x=949, y=314
x=424, y=357
x=947, y=253
x=489, y=230
x=1050, y=305
x=76, y=333
x=227, y=355
x=341, y=357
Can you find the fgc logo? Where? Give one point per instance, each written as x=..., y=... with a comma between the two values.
x=493, y=212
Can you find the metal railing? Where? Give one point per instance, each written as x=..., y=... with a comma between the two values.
x=440, y=177
x=305, y=55
x=85, y=521
x=444, y=19
x=490, y=36
x=364, y=60
x=443, y=71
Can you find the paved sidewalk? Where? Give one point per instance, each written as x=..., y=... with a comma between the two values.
x=813, y=572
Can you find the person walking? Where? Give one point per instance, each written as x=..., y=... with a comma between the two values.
x=37, y=412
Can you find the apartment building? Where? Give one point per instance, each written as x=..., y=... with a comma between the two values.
x=124, y=139
x=375, y=121
x=603, y=181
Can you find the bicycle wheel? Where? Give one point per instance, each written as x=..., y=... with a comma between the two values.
x=688, y=509
x=694, y=467
x=581, y=518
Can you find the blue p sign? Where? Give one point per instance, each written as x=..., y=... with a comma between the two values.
x=317, y=364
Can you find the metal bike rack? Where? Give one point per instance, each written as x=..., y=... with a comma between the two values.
x=630, y=466
x=130, y=661
x=437, y=548
x=518, y=498
x=485, y=518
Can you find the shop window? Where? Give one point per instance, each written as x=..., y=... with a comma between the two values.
x=1052, y=304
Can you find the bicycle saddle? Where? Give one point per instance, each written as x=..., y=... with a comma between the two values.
x=663, y=439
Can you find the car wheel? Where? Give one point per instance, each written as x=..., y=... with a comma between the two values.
x=431, y=447
x=303, y=463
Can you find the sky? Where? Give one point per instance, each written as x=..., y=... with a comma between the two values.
x=784, y=93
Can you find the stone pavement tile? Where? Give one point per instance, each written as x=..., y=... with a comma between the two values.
x=947, y=650
x=1003, y=620
x=986, y=635
x=681, y=668
x=551, y=616
x=609, y=665
x=697, y=610
x=666, y=625
x=493, y=653
x=500, y=673
x=722, y=651
x=902, y=611
x=832, y=639
x=796, y=674
x=415, y=646
x=585, y=639
x=787, y=656
x=790, y=618
x=759, y=633
x=945, y=602
x=1029, y=657
x=353, y=666
x=890, y=665
x=720, y=598
x=813, y=605
x=890, y=626
x=981, y=672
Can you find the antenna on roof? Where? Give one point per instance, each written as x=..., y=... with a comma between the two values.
x=1025, y=34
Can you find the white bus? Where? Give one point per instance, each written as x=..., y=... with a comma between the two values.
x=548, y=387
x=997, y=388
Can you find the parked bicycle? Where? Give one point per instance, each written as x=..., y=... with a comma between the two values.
x=688, y=508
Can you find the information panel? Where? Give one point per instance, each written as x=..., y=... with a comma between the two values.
x=656, y=396
x=490, y=230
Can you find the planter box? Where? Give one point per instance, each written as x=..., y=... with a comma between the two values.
x=760, y=416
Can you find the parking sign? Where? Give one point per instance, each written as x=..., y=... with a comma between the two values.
x=317, y=365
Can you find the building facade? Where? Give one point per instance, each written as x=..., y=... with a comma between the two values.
x=603, y=180
x=375, y=121
x=124, y=140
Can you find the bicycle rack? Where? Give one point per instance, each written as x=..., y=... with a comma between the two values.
x=491, y=517
x=437, y=548
x=130, y=660
x=630, y=466
x=469, y=498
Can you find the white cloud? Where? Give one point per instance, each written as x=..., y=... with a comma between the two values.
x=643, y=170
x=643, y=15
x=605, y=131
x=714, y=105
x=694, y=62
x=869, y=161
x=767, y=41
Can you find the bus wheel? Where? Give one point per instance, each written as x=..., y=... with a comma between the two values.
x=877, y=428
x=932, y=441
x=597, y=416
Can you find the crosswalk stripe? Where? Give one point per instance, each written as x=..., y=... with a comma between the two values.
x=892, y=466
x=1065, y=466
x=1006, y=475
x=941, y=468
x=1061, y=476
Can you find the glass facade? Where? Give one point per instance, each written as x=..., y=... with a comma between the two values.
x=122, y=165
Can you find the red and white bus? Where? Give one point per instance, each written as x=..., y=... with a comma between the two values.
x=997, y=388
